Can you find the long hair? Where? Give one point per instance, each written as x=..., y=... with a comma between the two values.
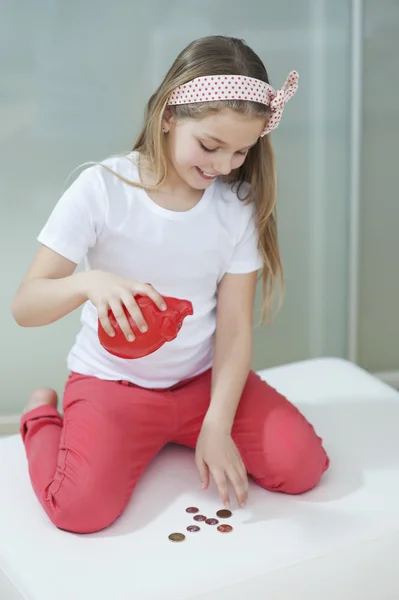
x=220, y=55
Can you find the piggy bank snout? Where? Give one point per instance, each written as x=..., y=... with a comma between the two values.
x=185, y=308
x=169, y=329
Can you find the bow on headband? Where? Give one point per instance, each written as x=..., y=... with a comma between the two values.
x=237, y=87
x=278, y=100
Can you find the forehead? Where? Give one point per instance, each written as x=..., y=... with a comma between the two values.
x=231, y=127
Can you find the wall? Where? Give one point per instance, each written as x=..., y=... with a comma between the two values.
x=74, y=83
x=378, y=322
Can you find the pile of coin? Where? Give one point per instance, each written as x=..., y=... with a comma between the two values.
x=193, y=510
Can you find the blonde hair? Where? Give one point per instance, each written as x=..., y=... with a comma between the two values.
x=220, y=55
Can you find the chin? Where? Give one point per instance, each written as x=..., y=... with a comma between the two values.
x=198, y=182
x=195, y=182
x=200, y=186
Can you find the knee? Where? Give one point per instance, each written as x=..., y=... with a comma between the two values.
x=294, y=454
x=81, y=511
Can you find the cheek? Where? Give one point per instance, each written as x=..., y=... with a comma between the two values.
x=237, y=161
x=187, y=152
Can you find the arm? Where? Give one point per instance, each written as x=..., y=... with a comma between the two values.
x=49, y=290
x=216, y=451
x=233, y=347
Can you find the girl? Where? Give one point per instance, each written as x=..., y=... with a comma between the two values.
x=192, y=211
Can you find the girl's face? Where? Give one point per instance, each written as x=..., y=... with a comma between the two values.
x=201, y=149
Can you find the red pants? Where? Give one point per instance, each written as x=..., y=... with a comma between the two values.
x=84, y=468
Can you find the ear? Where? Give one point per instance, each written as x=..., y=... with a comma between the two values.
x=167, y=120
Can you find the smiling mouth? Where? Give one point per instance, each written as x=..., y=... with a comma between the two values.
x=205, y=175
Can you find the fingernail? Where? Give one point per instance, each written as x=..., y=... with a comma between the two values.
x=144, y=328
x=163, y=306
x=130, y=338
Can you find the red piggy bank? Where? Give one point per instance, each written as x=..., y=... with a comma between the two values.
x=163, y=326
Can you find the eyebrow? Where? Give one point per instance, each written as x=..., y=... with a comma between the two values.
x=215, y=139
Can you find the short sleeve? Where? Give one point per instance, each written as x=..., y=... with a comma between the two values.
x=77, y=219
x=246, y=257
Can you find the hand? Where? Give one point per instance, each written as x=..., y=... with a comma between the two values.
x=216, y=453
x=108, y=291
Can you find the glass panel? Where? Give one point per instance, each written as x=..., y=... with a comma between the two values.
x=379, y=209
x=74, y=83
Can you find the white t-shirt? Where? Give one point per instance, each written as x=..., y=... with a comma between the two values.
x=116, y=227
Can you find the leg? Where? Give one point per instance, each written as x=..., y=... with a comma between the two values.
x=280, y=449
x=84, y=468
x=278, y=445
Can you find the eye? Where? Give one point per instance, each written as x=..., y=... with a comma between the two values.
x=242, y=153
x=207, y=149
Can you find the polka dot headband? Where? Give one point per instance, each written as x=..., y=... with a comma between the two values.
x=237, y=87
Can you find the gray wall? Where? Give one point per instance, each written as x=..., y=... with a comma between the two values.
x=378, y=339
x=74, y=83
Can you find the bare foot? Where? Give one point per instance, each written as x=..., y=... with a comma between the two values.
x=41, y=397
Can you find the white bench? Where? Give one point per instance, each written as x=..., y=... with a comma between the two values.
x=340, y=540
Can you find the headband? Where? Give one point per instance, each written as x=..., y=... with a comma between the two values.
x=237, y=87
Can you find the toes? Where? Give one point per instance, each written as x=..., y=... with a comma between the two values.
x=40, y=397
x=44, y=396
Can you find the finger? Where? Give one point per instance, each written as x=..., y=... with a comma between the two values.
x=242, y=471
x=102, y=312
x=203, y=472
x=239, y=485
x=147, y=290
x=244, y=479
x=134, y=310
x=119, y=314
x=221, y=483
x=240, y=466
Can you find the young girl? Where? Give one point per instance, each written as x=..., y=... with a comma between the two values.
x=191, y=210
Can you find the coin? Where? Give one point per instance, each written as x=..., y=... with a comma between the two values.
x=177, y=537
x=192, y=509
x=211, y=521
x=224, y=513
x=199, y=518
x=193, y=528
x=225, y=528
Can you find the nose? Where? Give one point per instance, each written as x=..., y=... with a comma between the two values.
x=186, y=308
x=222, y=165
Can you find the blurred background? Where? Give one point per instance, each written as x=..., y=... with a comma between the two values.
x=75, y=77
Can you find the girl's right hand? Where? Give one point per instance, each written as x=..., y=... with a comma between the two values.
x=108, y=291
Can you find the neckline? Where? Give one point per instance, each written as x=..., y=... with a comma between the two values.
x=165, y=212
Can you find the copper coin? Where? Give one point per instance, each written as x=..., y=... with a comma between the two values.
x=199, y=518
x=193, y=528
x=192, y=509
x=225, y=528
x=224, y=513
x=177, y=537
x=211, y=521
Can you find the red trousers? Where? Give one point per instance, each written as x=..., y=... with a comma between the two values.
x=85, y=466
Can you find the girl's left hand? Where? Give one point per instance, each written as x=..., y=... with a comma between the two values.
x=216, y=453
